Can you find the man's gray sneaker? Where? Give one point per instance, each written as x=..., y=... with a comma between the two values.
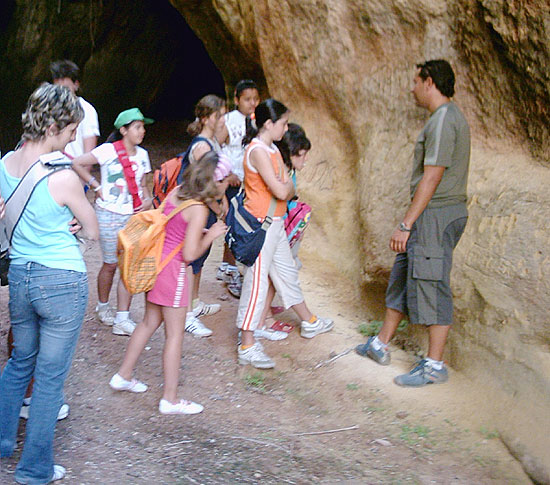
x=422, y=374
x=381, y=356
x=321, y=325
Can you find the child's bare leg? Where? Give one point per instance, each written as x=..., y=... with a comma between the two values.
x=247, y=338
x=268, y=301
x=228, y=256
x=140, y=337
x=302, y=311
x=174, y=328
x=196, y=286
x=124, y=298
x=105, y=281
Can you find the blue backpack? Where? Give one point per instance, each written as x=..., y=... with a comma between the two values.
x=245, y=234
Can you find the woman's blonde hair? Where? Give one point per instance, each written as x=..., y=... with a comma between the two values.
x=49, y=104
x=198, y=179
x=205, y=107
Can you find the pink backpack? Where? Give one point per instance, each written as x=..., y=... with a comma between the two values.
x=296, y=222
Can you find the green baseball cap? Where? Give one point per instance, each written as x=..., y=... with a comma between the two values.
x=129, y=115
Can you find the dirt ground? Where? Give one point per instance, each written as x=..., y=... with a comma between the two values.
x=306, y=421
x=256, y=425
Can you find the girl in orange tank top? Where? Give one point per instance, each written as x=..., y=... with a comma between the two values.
x=265, y=178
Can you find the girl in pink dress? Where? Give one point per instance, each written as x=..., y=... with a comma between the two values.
x=168, y=300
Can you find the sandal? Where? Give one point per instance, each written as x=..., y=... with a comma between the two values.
x=281, y=326
x=275, y=310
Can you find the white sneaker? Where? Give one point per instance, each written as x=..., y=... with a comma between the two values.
x=195, y=327
x=321, y=325
x=255, y=356
x=106, y=315
x=203, y=309
x=182, y=407
x=62, y=414
x=59, y=473
x=126, y=327
x=270, y=334
x=118, y=383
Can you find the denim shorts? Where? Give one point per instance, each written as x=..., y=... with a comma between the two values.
x=109, y=225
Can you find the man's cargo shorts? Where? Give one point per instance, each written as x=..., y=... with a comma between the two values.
x=420, y=280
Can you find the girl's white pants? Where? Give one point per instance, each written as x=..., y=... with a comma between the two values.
x=276, y=261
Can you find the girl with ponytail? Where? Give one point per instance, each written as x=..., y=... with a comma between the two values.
x=266, y=179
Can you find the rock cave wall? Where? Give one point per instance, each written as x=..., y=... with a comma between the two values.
x=345, y=69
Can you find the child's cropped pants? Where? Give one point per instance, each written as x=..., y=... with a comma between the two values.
x=275, y=261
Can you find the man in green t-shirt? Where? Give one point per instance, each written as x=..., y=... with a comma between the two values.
x=419, y=283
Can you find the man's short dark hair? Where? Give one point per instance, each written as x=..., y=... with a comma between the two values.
x=442, y=75
x=65, y=68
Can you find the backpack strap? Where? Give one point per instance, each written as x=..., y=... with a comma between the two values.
x=129, y=174
x=184, y=205
x=17, y=202
x=269, y=217
x=185, y=155
x=179, y=247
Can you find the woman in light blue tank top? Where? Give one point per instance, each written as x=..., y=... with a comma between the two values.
x=47, y=282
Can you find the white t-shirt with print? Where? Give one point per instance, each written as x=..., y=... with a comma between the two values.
x=235, y=122
x=116, y=197
x=88, y=127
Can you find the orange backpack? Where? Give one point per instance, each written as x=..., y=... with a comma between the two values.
x=170, y=173
x=166, y=178
x=140, y=246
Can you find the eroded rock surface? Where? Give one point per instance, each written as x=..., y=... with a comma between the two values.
x=344, y=68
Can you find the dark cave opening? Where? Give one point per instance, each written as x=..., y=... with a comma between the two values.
x=139, y=53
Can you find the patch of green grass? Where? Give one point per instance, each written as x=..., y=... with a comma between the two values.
x=370, y=329
x=489, y=434
x=352, y=387
x=256, y=381
x=412, y=434
x=286, y=356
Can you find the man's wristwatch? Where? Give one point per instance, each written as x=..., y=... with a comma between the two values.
x=404, y=228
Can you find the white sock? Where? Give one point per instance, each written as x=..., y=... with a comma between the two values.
x=101, y=305
x=121, y=316
x=436, y=364
x=27, y=401
x=377, y=344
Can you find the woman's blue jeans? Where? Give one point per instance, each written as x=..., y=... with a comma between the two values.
x=47, y=308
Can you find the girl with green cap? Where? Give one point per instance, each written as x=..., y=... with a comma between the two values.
x=121, y=192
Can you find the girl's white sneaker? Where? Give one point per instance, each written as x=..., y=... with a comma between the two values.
x=182, y=407
x=118, y=383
